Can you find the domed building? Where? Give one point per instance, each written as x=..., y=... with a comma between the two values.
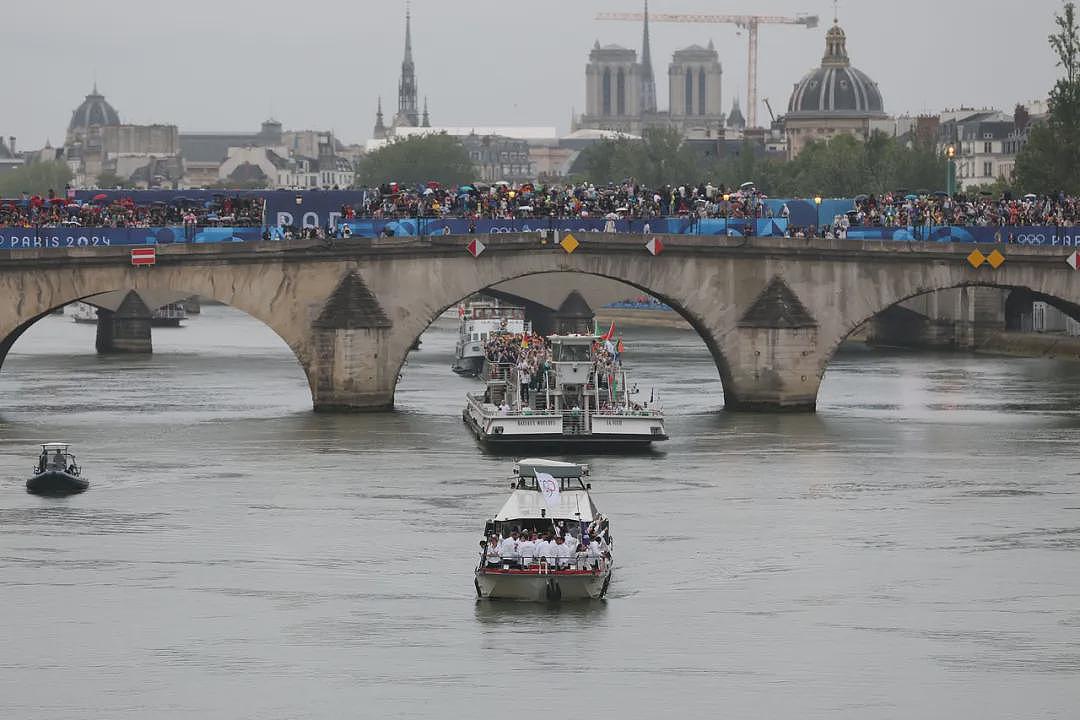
x=94, y=112
x=834, y=99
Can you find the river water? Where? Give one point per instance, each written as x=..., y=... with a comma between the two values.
x=913, y=550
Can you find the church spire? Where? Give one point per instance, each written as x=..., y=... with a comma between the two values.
x=407, y=114
x=426, y=122
x=380, y=128
x=648, y=81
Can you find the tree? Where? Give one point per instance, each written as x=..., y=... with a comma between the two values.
x=418, y=159
x=36, y=179
x=659, y=158
x=109, y=180
x=1050, y=159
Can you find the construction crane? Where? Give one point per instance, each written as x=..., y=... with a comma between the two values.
x=744, y=22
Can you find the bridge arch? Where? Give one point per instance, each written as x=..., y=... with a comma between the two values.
x=256, y=293
x=700, y=326
x=1032, y=286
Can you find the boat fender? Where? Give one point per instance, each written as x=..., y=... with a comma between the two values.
x=553, y=591
x=603, y=590
x=479, y=594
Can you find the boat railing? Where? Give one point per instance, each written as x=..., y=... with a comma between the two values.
x=594, y=566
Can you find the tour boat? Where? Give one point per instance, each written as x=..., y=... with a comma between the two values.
x=83, y=313
x=478, y=322
x=57, y=472
x=547, y=496
x=576, y=401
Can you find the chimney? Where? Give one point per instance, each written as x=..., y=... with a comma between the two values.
x=11, y=144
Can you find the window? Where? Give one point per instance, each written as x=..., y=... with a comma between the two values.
x=606, y=92
x=620, y=93
x=701, y=91
x=689, y=90
x=988, y=148
x=988, y=169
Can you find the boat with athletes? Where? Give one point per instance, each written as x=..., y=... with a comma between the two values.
x=169, y=315
x=572, y=558
x=478, y=321
x=57, y=472
x=577, y=394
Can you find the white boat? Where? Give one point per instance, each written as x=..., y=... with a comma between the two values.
x=478, y=322
x=578, y=400
x=545, y=494
x=83, y=313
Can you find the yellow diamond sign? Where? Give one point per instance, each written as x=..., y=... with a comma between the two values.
x=569, y=243
x=995, y=259
x=976, y=258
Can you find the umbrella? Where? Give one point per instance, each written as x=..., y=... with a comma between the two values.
x=747, y=185
x=611, y=216
x=911, y=197
x=503, y=183
x=432, y=185
x=101, y=196
x=861, y=198
x=622, y=209
x=465, y=189
x=525, y=208
x=941, y=193
x=1031, y=196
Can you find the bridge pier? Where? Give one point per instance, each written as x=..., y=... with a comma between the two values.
x=774, y=370
x=125, y=330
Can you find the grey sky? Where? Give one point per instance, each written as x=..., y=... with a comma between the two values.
x=316, y=64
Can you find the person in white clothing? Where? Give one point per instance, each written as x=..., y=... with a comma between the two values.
x=543, y=548
x=527, y=550
x=508, y=550
x=492, y=551
x=562, y=553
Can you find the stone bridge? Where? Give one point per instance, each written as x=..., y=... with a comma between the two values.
x=772, y=311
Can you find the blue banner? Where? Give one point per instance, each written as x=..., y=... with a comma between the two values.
x=30, y=238
x=1012, y=235
x=408, y=227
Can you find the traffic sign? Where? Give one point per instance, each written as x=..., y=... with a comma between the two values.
x=569, y=243
x=995, y=259
x=655, y=246
x=976, y=258
x=143, y=256
x=1074, y=260
x=475, y=247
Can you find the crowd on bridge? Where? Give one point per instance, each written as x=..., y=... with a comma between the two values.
x=503, y=200
x=107, y=211
x=905, y=209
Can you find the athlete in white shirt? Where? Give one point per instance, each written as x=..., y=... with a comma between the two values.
x=562, y=552
x=508, y=550
x=527, y=550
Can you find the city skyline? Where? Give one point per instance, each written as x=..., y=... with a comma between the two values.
x=312, y=80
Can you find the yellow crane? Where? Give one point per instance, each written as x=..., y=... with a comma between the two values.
x=749, y=23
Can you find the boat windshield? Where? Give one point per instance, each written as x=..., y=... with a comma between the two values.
x=563, y=352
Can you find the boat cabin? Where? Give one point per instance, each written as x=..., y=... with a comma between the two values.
x=529, y=509
x=56, y=457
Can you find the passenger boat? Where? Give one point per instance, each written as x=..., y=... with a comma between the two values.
x=169, y=315
x=478, y=321
x=83, y=313
x=57, y=472
x=547, y=496
x=577, y=400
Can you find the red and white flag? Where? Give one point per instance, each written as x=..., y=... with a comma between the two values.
x=655, y=246
x=475, y=247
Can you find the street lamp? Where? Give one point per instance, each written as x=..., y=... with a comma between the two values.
x=817, y=207
x=727, y=213
x=950, y=175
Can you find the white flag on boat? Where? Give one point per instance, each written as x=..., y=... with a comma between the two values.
x=549, y=486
